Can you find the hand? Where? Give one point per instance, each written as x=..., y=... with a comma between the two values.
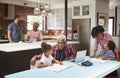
x=50, y=65
x=60, y=63
x=11, y=42
x=92, y=56
x=32, y=61
x=103, y=58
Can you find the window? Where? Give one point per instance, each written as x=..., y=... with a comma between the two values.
x=111, y=26
x=31, y=19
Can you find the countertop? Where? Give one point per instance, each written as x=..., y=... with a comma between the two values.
x=11, y=47
x=3, y=40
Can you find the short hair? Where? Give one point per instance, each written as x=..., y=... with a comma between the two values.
x=16, y=16
x=61, y=37
x=111, y=45
x=45, y=47
x=36, y=24
x=96, y=30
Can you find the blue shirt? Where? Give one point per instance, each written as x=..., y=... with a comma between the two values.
x=15, y=32
x=107, y=53
x=61, y=55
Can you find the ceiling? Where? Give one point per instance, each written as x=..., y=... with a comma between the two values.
x=114, y=3
x=54, y=3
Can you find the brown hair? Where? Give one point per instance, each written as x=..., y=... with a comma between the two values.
x=36, y=24
x=96, y=30
x=45, y=47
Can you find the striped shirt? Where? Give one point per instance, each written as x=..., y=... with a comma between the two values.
x=69, y=52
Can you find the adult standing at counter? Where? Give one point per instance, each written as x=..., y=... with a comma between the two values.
x=101, y=38
x=34, y=34
x=14, y=31
x=61, y=51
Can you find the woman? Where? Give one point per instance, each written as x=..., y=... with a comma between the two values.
x=101, y=38
x=35, y=34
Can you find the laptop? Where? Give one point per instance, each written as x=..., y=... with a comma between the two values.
x=80, y=56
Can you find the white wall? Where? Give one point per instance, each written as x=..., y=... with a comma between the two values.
x=101, y=6
x=118, y=21
x=112, y=14
x=92, y=15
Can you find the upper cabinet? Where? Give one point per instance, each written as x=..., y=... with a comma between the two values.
x=80, y=11
x=76, y=11
x=85, y=10
x=56, y=21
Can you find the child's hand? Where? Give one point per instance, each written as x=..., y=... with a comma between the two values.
x=60, y=63
x=50, y=65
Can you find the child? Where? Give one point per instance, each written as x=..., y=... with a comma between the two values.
x=46, y=59
x=108, y=52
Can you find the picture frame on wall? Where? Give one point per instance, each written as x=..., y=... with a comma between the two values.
x=102, y=19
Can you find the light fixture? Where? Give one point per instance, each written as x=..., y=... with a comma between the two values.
x=42, y=7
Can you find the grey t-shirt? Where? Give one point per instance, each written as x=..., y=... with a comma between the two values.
x=15, y=32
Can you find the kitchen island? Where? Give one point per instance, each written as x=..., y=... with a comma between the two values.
x=15, y=57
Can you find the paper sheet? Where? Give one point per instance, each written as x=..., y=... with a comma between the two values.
x=57, y=67
x=98, y=60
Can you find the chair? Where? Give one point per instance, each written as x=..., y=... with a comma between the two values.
x=115, y=73
x=112, y=75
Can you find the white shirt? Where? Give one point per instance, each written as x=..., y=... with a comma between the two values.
x=46, y=60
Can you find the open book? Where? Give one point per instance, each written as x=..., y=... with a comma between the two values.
x=98, y=60
x=57, y=67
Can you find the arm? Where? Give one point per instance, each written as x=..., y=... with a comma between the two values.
x=95, y=48
x=56, y=61
x=105, y=58
x=22, y=36
x=40, y=64
x=35, y=58
x=9, y=36
x=72, y=51
x=40, y=36
x=27, y=36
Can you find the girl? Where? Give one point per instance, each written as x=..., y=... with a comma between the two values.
x=108, y=52
x=46, y=59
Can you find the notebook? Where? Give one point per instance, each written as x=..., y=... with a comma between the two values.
x=57, y=67
x=80, y=56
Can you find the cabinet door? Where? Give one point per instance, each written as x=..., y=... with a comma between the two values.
x=76, y=11
x=85, y=10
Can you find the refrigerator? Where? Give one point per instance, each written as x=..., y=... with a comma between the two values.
x=83, y=29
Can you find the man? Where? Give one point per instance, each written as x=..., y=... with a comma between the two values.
x=61, y=51
x=14, y=31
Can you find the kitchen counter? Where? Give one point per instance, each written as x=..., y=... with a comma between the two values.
x=15, y=57
x=11, y=47
x=3, y=41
